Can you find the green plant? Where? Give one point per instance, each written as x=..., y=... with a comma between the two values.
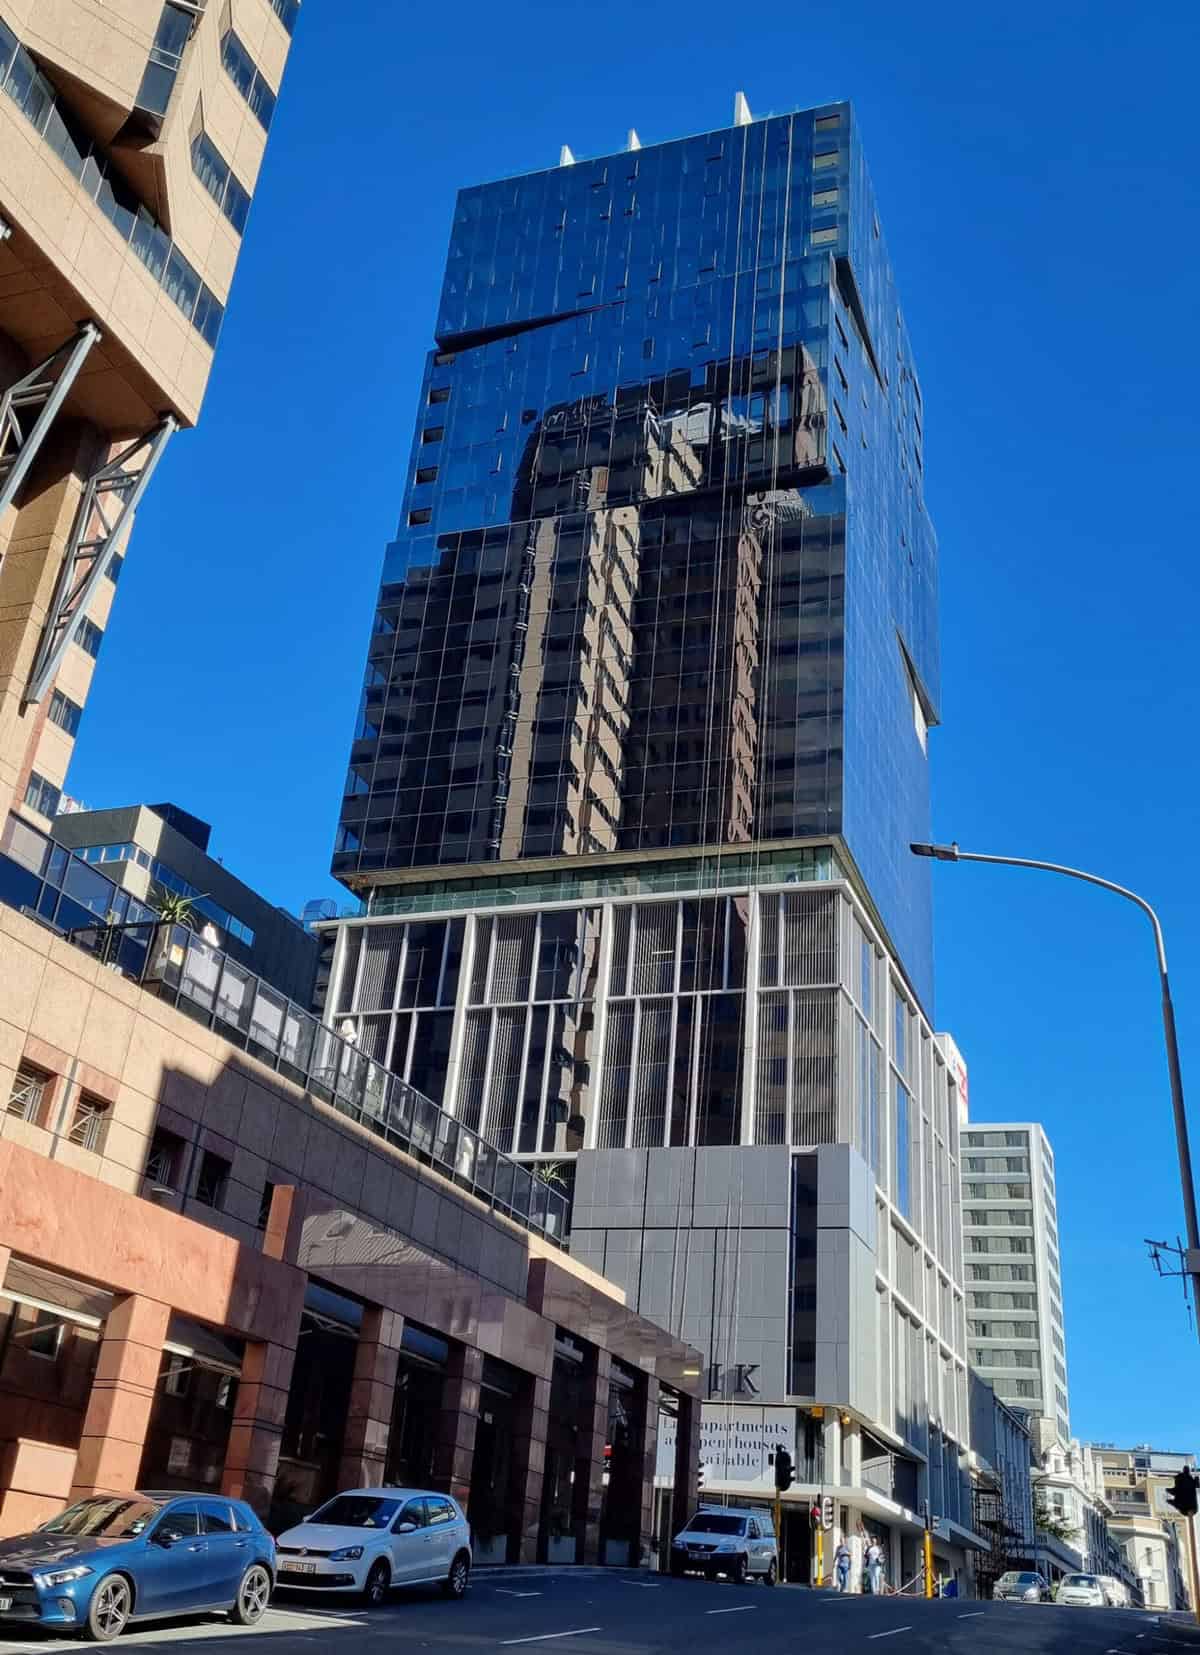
x=553, y=1173
x=173, y=906
x=1049, y=1524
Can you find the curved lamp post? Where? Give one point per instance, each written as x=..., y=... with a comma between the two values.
x=951, y=853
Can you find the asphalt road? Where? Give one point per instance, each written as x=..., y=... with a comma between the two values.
x=625, y=1613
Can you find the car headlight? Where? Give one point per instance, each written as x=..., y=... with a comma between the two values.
x=61, y=1577
x=346, y=1554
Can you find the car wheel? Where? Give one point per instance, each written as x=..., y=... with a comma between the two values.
x=738, y=1572
x=772, y=1574
x=109, y=1611
x=253, y=1596
x=379, y=1578
x=455, y=1583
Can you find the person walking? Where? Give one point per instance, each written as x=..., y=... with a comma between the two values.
x=841, y=1566
x=875, y=1567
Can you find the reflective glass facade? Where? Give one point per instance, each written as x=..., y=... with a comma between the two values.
x=664, y=577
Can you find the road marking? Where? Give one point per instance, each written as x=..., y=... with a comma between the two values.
x=641, y=1585
x=543, y=1637
x=873, y=1635
x=737, y=1609
x=506, y=1593
x=974, y=1615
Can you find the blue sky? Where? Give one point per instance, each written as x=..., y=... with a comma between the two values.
x=1035, y=167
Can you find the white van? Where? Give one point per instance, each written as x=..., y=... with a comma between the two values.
x=723, y=1540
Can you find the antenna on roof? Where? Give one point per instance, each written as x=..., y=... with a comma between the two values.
x=633, y=141
x=565, y=158
x=741, y=110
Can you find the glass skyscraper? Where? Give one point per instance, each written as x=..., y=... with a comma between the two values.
x=664, y=588
x=641, y=750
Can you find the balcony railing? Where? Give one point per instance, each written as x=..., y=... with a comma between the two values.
x=44, y=879
x=733, y=871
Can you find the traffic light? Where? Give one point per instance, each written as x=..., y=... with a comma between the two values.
x=700, y=1470
x=1182, y=1494
x=814, y=1512
x=784, y=1475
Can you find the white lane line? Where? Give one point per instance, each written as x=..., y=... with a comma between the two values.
x=641, y=1585
x=544, y=1637
x=737, y=1609
x=506, y=1593
x=873, y=1635
x=974, y=1615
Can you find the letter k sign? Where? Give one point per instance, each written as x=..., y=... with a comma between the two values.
x=745, y=1383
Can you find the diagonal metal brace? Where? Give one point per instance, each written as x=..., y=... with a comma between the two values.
x=28, y=407
x=110, y=497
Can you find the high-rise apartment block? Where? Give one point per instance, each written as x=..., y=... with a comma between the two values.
x=1015, y=1328
x=641, y=749
x=131, y=137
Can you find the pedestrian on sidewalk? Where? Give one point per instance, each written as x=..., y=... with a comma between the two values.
x=875, y=1567
x=841, y=1566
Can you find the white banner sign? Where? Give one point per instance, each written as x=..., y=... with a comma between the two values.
x=735, y=1443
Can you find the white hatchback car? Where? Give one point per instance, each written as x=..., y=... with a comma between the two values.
x=1084, y=1591
x=368, y=1540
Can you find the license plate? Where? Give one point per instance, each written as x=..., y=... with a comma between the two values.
x=302, y=1568
x=5, y=1603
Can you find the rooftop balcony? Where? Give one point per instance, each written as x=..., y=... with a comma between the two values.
x=52, y=885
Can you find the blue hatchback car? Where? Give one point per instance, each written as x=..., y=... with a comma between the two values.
x=116, y=1558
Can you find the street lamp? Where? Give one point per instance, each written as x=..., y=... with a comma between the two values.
x=951, y=853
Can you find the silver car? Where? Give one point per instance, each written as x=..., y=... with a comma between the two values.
x=1022, y=1586
x=723, y=1540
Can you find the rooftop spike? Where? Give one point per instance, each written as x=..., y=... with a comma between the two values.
x=633, y=141
x=565, y=158
x=741, y=110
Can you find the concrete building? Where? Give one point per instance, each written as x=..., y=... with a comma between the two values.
x=131, y=137
x=151, y=850
x=1001, y=1465
x=234, y=1254
x=1135, y=1481
x=649, y=880
x=1015, y=1332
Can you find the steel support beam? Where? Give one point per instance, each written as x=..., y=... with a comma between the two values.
x=110, y=497
x=28, y=407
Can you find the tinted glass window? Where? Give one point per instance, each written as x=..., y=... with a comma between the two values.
x=414, y=1512
x=218, y=1519
x=708, y=1522
x=356, y=1511
x=114, y=1518
x=184, y=1520
x=439, y=1511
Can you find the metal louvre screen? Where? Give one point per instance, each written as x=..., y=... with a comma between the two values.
x=618, y=1061
x=380, y=968
x=814, y=1068
x=651, y=1074
x=504, y=1082
x=473, y=1074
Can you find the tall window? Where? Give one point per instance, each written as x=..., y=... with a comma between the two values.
x=902, y=1149
x=174, y=30
x=65, y=713
x=218, y=178
x=42, y=795
x=248, y=78
x=213, y=1180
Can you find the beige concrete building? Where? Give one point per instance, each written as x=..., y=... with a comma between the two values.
x=236, y=1255
x=1135, y=1483
x=131, y=137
